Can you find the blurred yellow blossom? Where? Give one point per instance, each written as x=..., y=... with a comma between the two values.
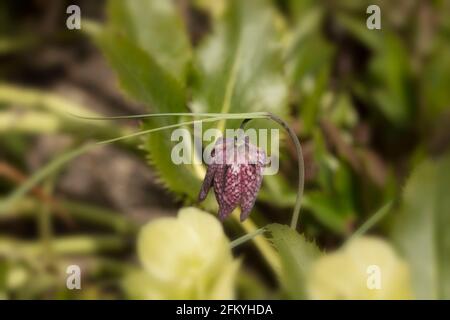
x=365, y=268
x=215, y=8
x=187, y=257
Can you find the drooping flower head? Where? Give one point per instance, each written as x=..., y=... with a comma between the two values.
x=235, y=172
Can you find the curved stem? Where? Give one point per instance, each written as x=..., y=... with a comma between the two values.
x=301, y=165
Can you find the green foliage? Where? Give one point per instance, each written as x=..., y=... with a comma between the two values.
x=420, y=229
x=146, y=81
x=435, y=83
x=297, y=256
x=390, y=70
x=389, y=73
x=367, y=104
x=238, y=66
x=156, y=27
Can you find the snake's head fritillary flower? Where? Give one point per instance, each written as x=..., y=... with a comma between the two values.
x=235, y=172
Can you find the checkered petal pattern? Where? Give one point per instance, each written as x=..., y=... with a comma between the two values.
x=235, y=173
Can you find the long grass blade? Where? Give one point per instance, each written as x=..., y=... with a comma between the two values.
x=373, y=220
x=57, y=163
x=173, y=114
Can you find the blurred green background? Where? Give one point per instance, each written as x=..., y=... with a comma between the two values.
x=370, y=107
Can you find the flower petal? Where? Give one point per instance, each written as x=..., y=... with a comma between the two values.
x=251, y=179
x=226, y=187
x=207, y=182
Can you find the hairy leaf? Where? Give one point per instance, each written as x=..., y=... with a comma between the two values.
x=143, y=79
x=156, y=27
x=297, y=256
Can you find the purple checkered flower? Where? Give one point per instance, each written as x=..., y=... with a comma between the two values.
x=235, y=172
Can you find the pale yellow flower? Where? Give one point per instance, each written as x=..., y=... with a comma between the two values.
x=187, y=257
x=365, y=268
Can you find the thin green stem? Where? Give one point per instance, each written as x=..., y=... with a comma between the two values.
x=143, y=132
x=301, y=165
x=373, y=220
x=45, y=223
x=173, y=114
x=229, y=89
x=246, y=237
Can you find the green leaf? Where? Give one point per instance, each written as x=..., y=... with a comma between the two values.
x=238, y=67
x=141, y=76
x=297, y=256
x=358, y=28
x=327, y=211
x=276, y=191
x=391, y=72
x=306, y=28
x=156, y=27
x=334, y=203
x=300, y=9
x=420, y=230
x=309, y=70
x=143, y=79
x=435, y=80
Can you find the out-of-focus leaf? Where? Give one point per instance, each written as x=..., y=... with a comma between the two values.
x=250, y=287
x=307, y=61
x=297, y=256
x=358, y=28
x=141, y=76
x=390, y=71
x=332, y=204
x=309, y=57
x=156, y=27
x=308, y=68
x=388, y=83
x=307, y=25
x=276, y=191
x=325, y=209
x=343, y=114
x=146, y=81
x=311, y=102
x=436, y=79
x=343, y=189
x=299, y=9
x=239, y=65
x=420, y=230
